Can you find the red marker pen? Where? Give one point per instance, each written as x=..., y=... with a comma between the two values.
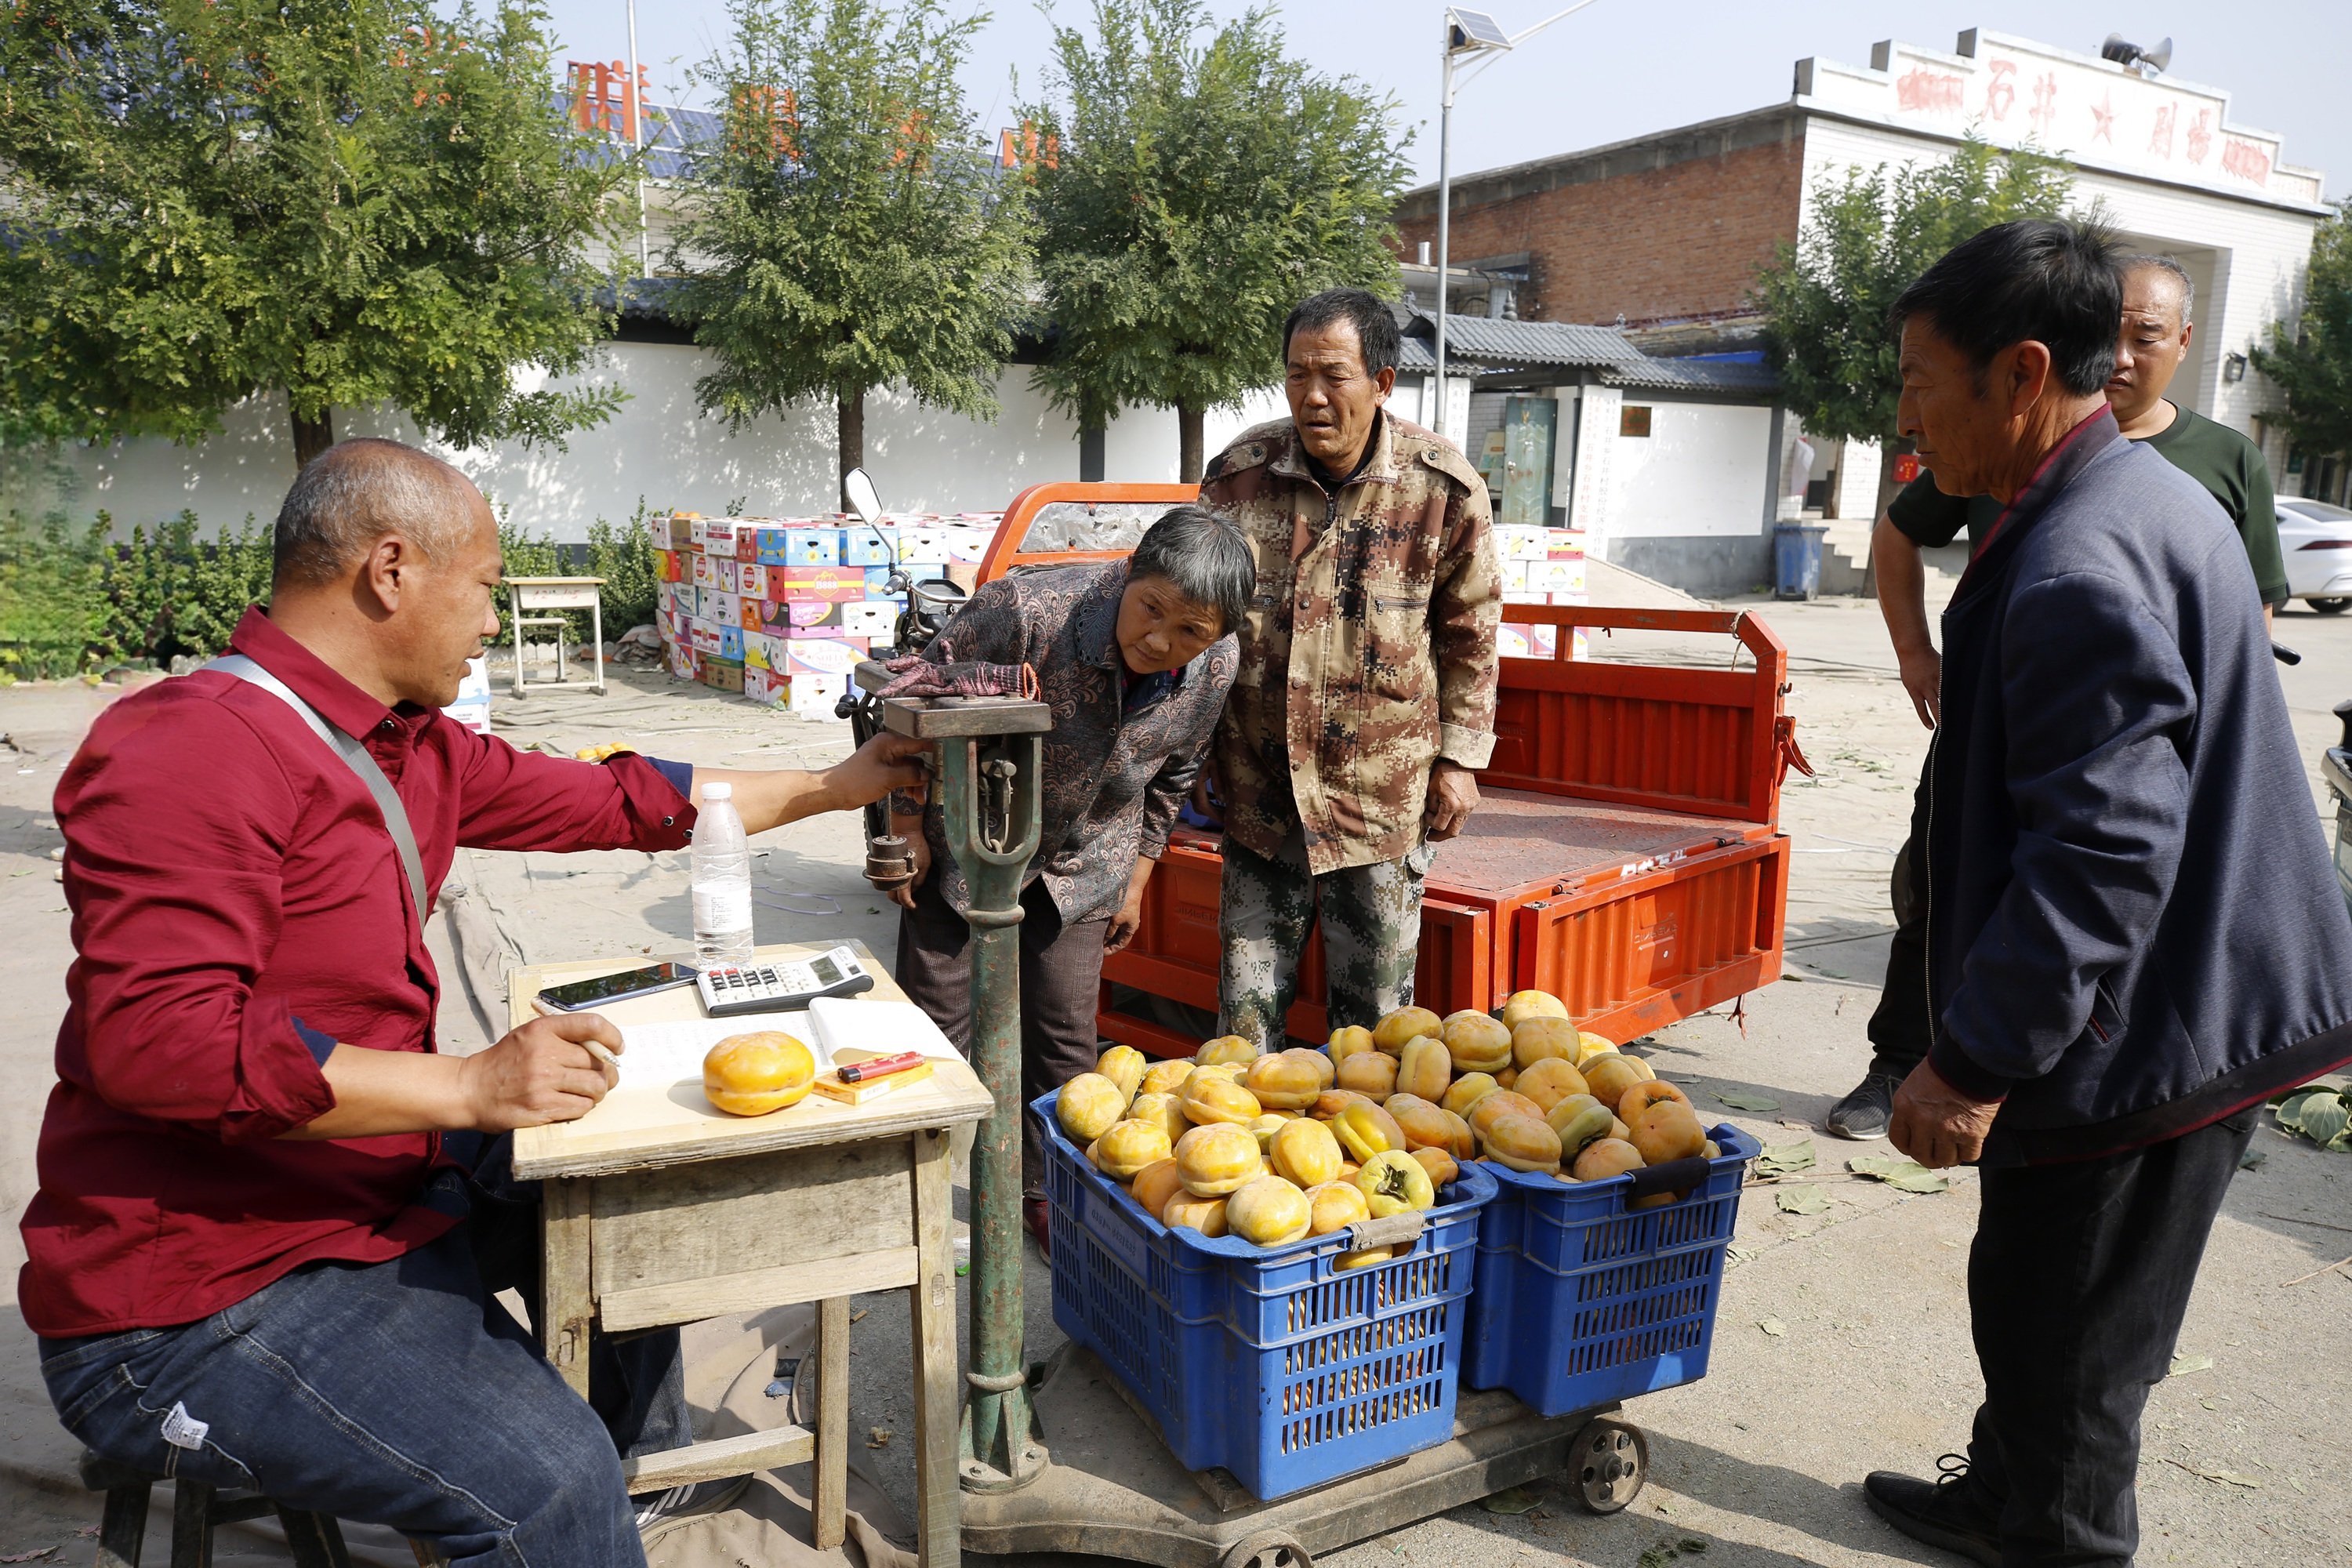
x=880, y=1067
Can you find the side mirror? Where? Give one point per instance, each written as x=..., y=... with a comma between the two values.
x=857, y=490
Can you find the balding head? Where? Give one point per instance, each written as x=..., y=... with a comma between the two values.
x=387, y=562
x=357, y=492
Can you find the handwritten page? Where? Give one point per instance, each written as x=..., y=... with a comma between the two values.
x=659, y=1055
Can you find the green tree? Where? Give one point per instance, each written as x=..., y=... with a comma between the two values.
x=2311, y=362
x=1825, y=298
x=1188, y=193
x=845, y=231
x=351, y=202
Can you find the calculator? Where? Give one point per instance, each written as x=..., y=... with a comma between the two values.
x=765, y=987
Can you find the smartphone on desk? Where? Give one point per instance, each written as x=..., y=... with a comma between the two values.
x=581, y=995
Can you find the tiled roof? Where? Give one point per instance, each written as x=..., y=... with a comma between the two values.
x=1486, y=340
x=1693, y=375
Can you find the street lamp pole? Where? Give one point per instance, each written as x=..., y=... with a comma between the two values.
x=1444, y=217
x=637, y=139
x=1467, y=33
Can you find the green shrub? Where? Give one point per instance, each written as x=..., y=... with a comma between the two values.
x=71, y=601
x=621, y=554
x=623, y=557
x=171, y=593
x=53, y=599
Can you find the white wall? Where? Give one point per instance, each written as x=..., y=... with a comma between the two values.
x=1858, y=468
x=660, y=448
x=2248, y=256
x=1700, y=471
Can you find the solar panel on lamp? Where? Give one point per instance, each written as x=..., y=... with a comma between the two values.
x=1476, y=28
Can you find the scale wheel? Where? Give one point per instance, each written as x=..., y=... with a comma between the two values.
x=1268, y=1548
x=1607, y=1464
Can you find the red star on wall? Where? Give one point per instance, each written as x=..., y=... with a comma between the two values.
x=2103, y=117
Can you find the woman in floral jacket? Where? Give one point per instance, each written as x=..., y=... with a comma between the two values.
x=1135, y=658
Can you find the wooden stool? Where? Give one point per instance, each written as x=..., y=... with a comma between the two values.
x=317, y=1540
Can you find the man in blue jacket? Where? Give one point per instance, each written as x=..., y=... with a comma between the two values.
x=2137, y=936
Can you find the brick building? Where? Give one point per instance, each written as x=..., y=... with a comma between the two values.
x=1665, y=227
x=1664, y=234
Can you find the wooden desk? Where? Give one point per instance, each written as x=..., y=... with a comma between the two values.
x=528, y=593
x=660, y=1209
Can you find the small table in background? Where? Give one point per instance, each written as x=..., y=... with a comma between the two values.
x=526, y=594
x=658, y=1210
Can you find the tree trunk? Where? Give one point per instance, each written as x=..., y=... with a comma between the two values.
x=312, y=437
x=850, y=434
x=1888, y=486
x=1189, y=438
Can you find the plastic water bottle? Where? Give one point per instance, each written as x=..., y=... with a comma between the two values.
x=721, y=881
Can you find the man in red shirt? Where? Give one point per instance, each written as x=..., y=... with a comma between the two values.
x=266, y=1240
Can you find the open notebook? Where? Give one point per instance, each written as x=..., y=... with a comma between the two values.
x=836, y=1029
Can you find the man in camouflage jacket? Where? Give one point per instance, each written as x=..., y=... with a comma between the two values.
x=1366, y=693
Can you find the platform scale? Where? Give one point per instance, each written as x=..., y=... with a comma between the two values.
x=1057, y=1458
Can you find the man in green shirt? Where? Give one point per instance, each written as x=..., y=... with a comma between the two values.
x=2158, y=297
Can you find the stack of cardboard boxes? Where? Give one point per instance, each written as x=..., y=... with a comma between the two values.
x=1541, y=566
x=783, y=609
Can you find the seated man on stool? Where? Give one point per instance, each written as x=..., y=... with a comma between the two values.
x=257, y=1257
x=1135, y=657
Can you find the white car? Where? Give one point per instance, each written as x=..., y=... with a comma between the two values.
x=2316, y=540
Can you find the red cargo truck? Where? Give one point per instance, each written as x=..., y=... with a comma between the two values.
x=1626, y=855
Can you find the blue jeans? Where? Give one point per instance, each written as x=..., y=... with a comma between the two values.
x=398, y=1394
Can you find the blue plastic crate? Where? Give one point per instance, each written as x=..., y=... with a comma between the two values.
x=1580, y=1300
x=1269, y=1361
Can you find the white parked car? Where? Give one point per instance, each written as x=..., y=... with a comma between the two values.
x=2316, y=539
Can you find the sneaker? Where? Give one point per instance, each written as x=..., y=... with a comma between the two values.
x=1947, y=1511
x=1865, y=1113
x=1040, y=1222
x=659, y=1513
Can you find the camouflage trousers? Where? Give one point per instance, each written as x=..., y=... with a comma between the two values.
x=1370, y=917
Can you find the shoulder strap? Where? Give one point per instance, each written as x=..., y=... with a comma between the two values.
x=354, y=757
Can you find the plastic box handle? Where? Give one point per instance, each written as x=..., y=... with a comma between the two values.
x=1397, y=1227
x=1672, y=1176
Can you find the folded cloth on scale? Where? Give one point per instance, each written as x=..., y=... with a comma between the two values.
x=918, y=677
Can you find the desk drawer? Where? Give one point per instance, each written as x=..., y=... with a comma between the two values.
x=724, y=1217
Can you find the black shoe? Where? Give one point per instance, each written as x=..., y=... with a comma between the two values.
x=1947, y=1511
x=1865, y=1113
x=659, y=1513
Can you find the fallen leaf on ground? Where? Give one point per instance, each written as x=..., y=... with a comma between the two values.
x=1803, y=1198
x=1738, y=1254
x=1510, y=1499
x=878, y=1438
x=1784, y=1159
x=1903, y=1175
x=1774, y=1327
x=2184, y=1364
x=33, y=1555
x=1738, y=1101
x=1692, y=1544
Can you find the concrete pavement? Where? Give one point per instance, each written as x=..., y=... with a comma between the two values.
x=1756, y=1465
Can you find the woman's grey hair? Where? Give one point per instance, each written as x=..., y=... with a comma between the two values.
x=2127, y=264
x=1202, y=557
x=357, y=492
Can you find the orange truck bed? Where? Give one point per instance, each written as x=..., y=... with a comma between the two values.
x=1626, y=855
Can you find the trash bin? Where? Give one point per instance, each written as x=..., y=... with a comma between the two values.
x=1797, y=560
